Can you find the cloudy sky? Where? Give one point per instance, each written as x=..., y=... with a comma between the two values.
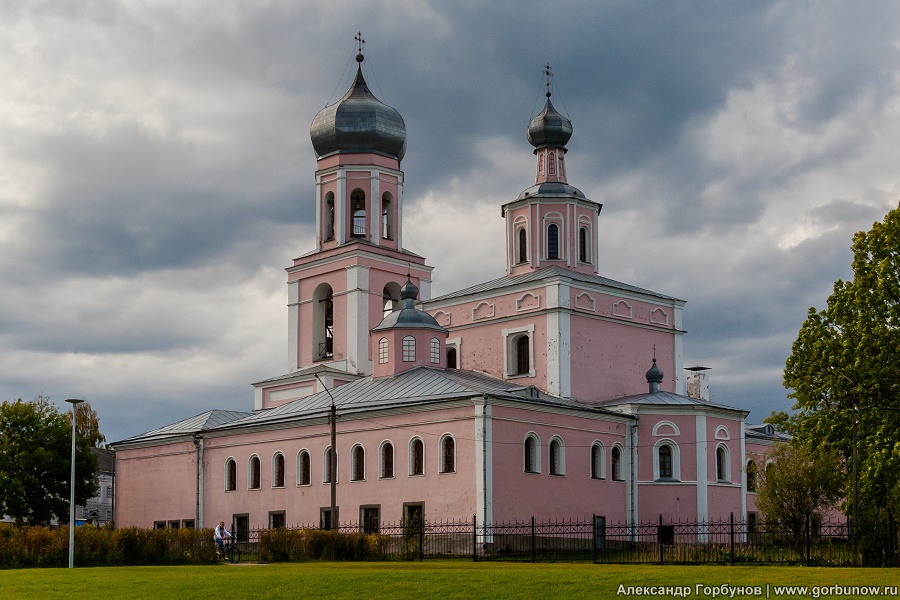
x=156, y=174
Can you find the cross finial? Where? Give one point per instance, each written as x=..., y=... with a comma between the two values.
x=549, y=74
x=359, y=40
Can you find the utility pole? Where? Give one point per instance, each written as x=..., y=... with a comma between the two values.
x=332, y=418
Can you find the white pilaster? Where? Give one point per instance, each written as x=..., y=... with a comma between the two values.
x=293, y=326
x=375, y=208
x=702, y=477
x=358, y=320
x=484, y=489
x=340, y=208
x=319, y=201
x=680, y=383
x=559, y=368
x=398, y=224
x=741, y=473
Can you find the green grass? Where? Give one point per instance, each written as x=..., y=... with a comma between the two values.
x=414, y=581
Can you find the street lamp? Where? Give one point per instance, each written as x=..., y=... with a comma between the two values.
x=74, y=402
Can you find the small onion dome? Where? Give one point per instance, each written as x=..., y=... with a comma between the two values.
x=549, y=128
x=407, y=316
x=655, y=374
x=359, y=122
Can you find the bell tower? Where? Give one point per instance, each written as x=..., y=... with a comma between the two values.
x=342, y=289
x=552, y=222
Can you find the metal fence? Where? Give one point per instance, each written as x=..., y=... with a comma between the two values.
x=661, y=542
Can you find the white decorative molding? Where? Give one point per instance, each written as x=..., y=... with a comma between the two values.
x=484, y=310
x=722, y=433
x=666, y=428
x=528, y=301
x=622, y=309
x=585, y=301
x=442, y=318
x=659, y=316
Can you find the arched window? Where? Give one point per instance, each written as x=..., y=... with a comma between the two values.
x=416, y=457
x=278, y=470
x=326, y=466
x=253, y=481
x=358, y=456
x=582, y=245
x=523, y=360
x=551, y=163
x=448, y=454
x=616, y=463
x=382, y=351
x=409, y=349
x=435, y=351
x=451, y=358
x=358, y=206
x=390, y=297
x=329, y=216
x=387, y=217
x=523, y=246
x=387, y=460
x=557, y=457
x=665, y=461
x=722, y=473
x=323, y=322
x=553, y=242
x=303, y=468
x=751, y=476
x=230, y=475
x=532, y=454
x=597, y=461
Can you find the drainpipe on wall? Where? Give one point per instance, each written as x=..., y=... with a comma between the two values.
x=198, y=441
x=634, y=457
x=484, y=451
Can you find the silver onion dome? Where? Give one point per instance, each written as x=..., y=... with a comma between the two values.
x=406, y=315
x=549, y=128
x=359, y=122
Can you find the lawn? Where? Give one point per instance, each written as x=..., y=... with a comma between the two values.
x=414, y=581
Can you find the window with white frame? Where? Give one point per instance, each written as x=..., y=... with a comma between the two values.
x=667, y=465
x=409, y=349
x=518, y=351
x=278, y=470
x=448, y=454
x=358, y=468
x=303, y=468
x=598, y=460
x=416, y=457
x=722, y=463
x=557, y=456
x=382, y=351
x=552, y=241
x=615, y=463
x=230, y=475
x=387, y=460
x=435, y=351
x=326, y=465
x=532, y=449
x=751, y=475
x=253, y=470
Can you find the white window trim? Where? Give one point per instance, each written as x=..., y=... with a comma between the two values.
x=353, y=463
x=381, y=459
x=602, y=474
x=727, y=464
x=383, y=351
x=676, y=432
x=275, y=470
x=300, y=466
x=337, y=466
x=676, y=459
x=509, y=352
x=455, y=343
x=250, y=472
x=409, y=459
x=434, y=343
x=441, y=450
x=537, y=452
x=722, y=433
x=403, y=347
x=621, y=450
x=584, y=223
x=562, y=456
x=225, y=483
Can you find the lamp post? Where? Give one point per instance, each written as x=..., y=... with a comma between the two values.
x=74, y=402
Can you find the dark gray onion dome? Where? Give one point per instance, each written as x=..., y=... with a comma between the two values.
x=407, y=316
x=552, y=189
x=654, y=377
x=549, y=128
x=359, y=122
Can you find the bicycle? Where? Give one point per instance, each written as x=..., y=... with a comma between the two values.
x=230, y=552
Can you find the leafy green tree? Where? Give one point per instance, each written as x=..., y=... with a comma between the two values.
x=35, y=462
x=797, y=485
x=844, y=367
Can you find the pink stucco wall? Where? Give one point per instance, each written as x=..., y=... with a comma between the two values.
x=519, y=495
x=156, y=484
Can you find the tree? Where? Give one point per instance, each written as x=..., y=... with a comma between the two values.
x=844, y=368
x=35, y=462
x=797, y=485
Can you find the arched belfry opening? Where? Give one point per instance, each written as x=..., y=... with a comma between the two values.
x=390, y=298
x=323, y=323
x=358, y=210
x=387, y=216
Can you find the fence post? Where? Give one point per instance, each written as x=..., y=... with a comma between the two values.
x=594, y=538
x=474, y=538
x=659, y=538
x=808, y=532
x=732, y=539
x=422, y=538
x=533, y=555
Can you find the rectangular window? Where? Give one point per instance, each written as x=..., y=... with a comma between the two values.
x=382, y=351
x=241, y=527
x=413, y=514
x=370, y=518
x=325, y=521
x=174, y=524
x=435, y=352
x=188, y=523
x=276, y=520
x=159, y=524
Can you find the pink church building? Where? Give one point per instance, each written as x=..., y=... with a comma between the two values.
x=528, y=395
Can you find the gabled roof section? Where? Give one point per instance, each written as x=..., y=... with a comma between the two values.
x=547, y=273
x=419, y=385
x=202, y=422
x=305, y=372
x=666, y=399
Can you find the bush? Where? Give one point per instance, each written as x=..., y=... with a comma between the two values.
x=279, y=545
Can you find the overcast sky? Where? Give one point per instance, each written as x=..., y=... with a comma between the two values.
x=156, y=174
